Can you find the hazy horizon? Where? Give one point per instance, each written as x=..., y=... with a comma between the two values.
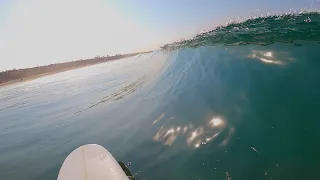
x=35, y=33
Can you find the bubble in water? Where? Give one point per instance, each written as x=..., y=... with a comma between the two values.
x=308, y=20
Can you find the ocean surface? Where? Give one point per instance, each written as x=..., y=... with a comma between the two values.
x=239, y=102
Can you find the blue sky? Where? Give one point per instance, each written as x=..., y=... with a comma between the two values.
x=38, y=32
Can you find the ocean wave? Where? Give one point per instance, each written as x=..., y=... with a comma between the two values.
x=286, y=28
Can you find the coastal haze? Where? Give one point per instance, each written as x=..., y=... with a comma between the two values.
x=36, y=33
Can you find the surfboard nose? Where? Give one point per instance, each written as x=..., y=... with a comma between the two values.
x=91, y=162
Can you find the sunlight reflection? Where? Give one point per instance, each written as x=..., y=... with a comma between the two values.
x=215, y=122
x=170, y=131
x=159, y=134
x=185, y=129
x=212, y=137
x=196, y=136
x=270, y=61
x=198, y=143
x=158, y=119
x=171, y=139
x=193, y=136
x=266, y=57
x=268, y=54
x=167, y=135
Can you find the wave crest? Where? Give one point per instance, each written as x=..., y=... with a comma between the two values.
x=285, y=28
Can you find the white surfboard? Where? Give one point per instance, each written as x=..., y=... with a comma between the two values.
x=91, y=162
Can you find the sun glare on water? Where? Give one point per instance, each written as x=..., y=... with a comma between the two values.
x=215, y=122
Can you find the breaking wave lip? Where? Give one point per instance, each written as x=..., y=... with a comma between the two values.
x=286, y=28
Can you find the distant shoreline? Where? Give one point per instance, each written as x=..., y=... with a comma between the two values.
x=39, y=76
x=22, y=75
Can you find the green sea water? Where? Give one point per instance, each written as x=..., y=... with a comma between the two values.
x=239, y=102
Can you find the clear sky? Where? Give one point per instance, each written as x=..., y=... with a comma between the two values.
x=40, y=32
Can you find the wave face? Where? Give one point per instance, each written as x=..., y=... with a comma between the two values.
x=260, y=31
x=245, y=108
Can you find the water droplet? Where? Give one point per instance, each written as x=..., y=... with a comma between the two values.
x=308, y=20
x=254, y=149
x=228, y=177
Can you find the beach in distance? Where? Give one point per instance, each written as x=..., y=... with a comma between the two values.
x=20, y=75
